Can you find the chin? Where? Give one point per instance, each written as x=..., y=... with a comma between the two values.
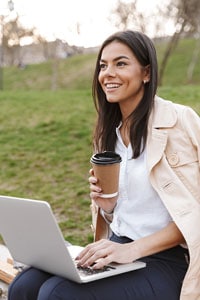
x=111, y=100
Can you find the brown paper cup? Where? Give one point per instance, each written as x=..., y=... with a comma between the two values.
x=106, y=166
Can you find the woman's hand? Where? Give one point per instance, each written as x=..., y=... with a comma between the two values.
x=107, y=204
x=95, y=190
x=103, y=252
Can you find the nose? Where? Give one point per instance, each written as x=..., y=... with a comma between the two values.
x=110, y=71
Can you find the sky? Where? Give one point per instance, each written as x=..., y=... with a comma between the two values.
x=78, y=22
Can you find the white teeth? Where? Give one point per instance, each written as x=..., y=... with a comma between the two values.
x=112, y=85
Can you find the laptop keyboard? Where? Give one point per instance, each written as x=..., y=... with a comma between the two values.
x=90, y=271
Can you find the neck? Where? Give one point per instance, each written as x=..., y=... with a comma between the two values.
x=125, y=132
x=128, y=106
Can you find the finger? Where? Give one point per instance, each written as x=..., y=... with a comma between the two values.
x=86, y=260
x=93, y=258
x=95, y=188
x=102, y=262
x=102, y=257
x=82, y=253
x=91, y=253
x=85, y=251
x=91, y=172
x=92, y=179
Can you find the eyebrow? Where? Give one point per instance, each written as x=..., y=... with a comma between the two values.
x=117, y=58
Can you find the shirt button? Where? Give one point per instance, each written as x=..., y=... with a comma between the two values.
x=173, y=159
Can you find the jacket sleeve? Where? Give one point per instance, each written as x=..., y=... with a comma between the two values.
x=99, y=226
x=191, y=121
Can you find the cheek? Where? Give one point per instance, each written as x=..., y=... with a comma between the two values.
x=100, y=78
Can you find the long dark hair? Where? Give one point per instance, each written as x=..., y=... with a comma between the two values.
x=109, y=114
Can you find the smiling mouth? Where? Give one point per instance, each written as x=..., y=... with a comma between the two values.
x=112, y=85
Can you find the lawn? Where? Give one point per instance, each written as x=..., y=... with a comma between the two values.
x=45, y=141
x=46, y=144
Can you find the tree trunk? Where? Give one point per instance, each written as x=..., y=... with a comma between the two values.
x=170, y=48
x=54, y=77
x=193, y=62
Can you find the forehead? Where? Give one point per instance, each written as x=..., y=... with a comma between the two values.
x=116, y=49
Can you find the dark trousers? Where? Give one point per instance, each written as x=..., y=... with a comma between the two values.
x=161, y=279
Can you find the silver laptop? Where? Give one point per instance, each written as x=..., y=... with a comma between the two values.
x=33, y=237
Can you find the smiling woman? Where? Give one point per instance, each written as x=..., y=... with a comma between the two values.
x=155, y=216
x=122, y=77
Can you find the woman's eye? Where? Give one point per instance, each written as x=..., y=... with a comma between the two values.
x=102, y=66
x=121, y=63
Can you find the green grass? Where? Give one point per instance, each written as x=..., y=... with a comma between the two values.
x=45, y=147
x=74, y=72
x=46, y=137
x=185, y=94
x=177, y=66
x=45, y=141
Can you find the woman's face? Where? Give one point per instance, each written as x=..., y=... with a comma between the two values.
x=121, y=76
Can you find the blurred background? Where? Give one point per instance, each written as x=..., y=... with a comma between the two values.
x=36, y=31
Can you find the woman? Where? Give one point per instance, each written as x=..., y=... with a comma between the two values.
x=156, y=217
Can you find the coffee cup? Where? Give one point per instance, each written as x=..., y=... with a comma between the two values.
x=106, y=166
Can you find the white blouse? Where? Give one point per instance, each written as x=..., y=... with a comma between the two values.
x=139, y=211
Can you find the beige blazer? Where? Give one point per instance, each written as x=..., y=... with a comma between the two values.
x=173, y=161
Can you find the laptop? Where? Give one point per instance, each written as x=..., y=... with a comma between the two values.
x=33, y=237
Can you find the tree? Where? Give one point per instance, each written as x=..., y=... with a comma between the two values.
x=194, y=59
x=12, y=35
x=186, y=16
x=127, y=15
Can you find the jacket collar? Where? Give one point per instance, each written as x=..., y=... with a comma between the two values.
x=163, y=116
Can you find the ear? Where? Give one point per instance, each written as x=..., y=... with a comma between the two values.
x=146, y=77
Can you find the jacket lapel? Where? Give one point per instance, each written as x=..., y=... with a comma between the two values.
x=162, y=118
